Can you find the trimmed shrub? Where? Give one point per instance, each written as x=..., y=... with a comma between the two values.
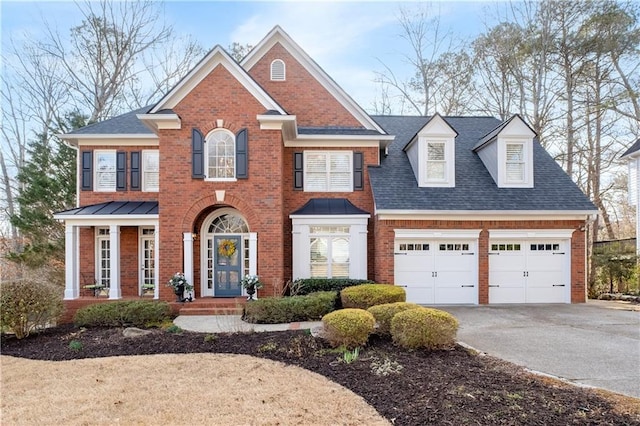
x=384, y=313
x=137, y=313
x=290, y=309
x=303, y=286
x=424, y=328
x=348, y=327
x=367, y=295
x=26, y=306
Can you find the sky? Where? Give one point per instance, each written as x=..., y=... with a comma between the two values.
x=349, y=39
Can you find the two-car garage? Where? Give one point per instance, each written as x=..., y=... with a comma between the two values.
x=442, y=267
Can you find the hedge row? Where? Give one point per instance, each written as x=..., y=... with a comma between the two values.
x=137, y=313
x=290, y=309
x=305, y=286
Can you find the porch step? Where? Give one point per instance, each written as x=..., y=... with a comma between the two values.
x=231, y=306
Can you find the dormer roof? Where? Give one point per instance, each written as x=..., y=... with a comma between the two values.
x=493, y=134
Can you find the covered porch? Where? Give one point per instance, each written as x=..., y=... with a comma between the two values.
x=111, y=250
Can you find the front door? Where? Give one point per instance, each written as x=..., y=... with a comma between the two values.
x=228, y=266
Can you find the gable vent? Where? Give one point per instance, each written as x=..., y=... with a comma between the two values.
x=277, y=70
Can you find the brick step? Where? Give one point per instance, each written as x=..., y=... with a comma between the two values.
x=215, y=303
x=191, y=310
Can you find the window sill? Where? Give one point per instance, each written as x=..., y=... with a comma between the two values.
x=220, y=179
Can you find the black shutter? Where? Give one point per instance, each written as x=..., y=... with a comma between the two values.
x=87, y=171
x=121, y=171
x=242, y=155
x=358, y=171
x=135, y=171
x=298, y=171
x=197, y=154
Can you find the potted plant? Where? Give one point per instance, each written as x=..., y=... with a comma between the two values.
x=251, y=283
x=180, y=285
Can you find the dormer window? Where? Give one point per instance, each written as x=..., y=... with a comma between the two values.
x=507, y=153
x=515, y=164
x=432, y=154
x=278, y=70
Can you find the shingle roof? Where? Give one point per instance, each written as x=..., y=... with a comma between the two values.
x=336, y=131
x=633, y=148
x=114, y=208
x=122, y=124
x=395, y=187
x=328, y=206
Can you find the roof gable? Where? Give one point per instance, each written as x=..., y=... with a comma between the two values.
x=216, y=57
x=514, y=126
x=278, y=35
x=633, y=151
x=435, y=126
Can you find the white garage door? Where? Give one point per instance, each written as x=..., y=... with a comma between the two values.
x=529, y=271
x=437, y=272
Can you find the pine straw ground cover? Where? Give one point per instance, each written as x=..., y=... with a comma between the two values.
x=406, y=388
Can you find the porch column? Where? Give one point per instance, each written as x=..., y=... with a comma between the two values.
x=188, y=259
x=71, y=263
x=156, y=262
x=253, y=253
x=114, y=259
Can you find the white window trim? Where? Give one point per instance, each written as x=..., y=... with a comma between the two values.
x=145, y=153
x=284, y=70
x=449, y=161
x=357, y=242
x=95, y=170
x=527, y=159
x=206, y=157
x=98, y=251
x=328, y=155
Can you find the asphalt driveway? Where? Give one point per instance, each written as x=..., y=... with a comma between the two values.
x=595, y=344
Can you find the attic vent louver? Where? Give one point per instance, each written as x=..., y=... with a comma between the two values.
x=277, y=70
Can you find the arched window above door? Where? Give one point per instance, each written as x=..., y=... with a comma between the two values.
x=228, y=223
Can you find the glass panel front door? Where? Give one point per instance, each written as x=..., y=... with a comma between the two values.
x=228, y=266
x=147, y=267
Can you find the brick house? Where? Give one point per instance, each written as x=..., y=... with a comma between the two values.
x=268, y=167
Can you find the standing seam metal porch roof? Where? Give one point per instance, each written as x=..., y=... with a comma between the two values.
x=114, y=208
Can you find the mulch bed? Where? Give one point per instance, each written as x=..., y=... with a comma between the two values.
x=453, y=387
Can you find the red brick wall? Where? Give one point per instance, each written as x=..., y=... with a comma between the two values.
x=301, y=94
x=183, y=200
x=384, y=261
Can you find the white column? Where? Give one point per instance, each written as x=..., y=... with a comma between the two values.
x=156, y=261
x=253, y=253
x=115, y=291
x=71, y=263
x=637, y=188
x=188, y=258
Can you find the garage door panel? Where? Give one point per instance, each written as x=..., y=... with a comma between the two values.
x=532, y=271
x=420, y=294
x=505, y=294
x=437, y=272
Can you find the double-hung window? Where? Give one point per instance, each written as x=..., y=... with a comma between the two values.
x=515, y=163
x=436, y=162
x=329, y=251
x=150, y=171
x=221, y=155
x=105, y=171
x=328, y=171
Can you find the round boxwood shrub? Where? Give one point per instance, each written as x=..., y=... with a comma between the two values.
x=26, y=306
x=367, y=295
x=348, y=327
x=424, y=328
x=384, y=313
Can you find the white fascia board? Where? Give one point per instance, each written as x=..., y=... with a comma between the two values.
x=160, y=121
x=106, y=220
x=385, y=214
x=507, y=234
x=113, y=139
x=437, y=234
x=278, y=35
x=307, y=219
x=217, y=56
x=632, y=156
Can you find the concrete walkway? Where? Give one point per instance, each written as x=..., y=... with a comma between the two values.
x=594, y=344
